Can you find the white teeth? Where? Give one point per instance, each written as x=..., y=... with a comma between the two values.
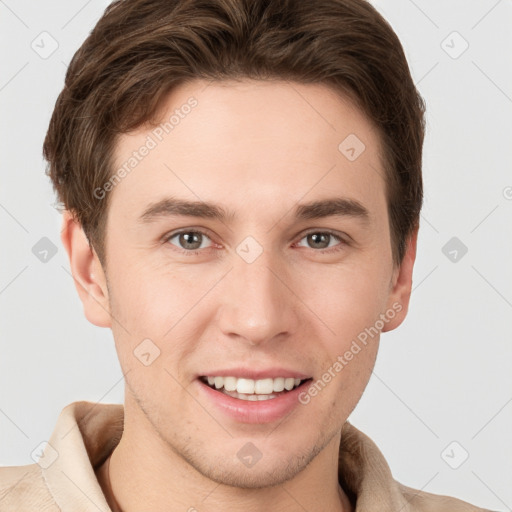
x=230, y=383
x=279, y=384
x=245, y=386
x=252, y=387
x=289, y=383
x=219, y=382
x=250, y=398
x=264, y=386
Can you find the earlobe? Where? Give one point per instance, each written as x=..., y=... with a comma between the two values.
x=87, y=272
x=400, y=294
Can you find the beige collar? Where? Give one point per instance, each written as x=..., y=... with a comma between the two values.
x=86, y=433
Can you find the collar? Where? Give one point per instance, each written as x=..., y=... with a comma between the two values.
x=86, y=433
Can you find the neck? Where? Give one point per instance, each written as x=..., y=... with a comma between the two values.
x=145, y=473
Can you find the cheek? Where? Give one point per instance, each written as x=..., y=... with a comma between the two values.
x=170, y=308
x=347, y=298
x=150, y=297
x=152, y=334
x=349, y=303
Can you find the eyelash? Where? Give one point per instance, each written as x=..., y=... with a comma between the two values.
x=196, y=252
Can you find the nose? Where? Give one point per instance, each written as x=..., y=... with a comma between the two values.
x=258, y=305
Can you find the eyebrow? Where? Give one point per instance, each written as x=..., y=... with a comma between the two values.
x=170, y=207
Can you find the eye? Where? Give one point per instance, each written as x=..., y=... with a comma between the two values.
x=322, y=240
x=193, y=242
x=189, y=241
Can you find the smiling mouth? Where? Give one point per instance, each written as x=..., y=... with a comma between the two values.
x=252, y=390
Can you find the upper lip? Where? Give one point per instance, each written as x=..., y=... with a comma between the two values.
x=251, y=373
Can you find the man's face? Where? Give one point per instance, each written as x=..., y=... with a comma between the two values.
x=262, y=290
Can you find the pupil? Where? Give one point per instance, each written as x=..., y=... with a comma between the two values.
x=187, y=237
x=316, y=236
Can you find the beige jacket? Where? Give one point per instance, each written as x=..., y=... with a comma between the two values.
x=64, y=480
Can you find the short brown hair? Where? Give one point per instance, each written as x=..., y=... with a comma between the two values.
x=141, y=49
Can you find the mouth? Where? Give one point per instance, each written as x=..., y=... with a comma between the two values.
x=253, y=390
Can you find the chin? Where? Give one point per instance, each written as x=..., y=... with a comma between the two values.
x=247, y=464
x=269, y=474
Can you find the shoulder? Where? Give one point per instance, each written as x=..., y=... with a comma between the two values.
x=364, y=471
x=421, y=501
x=24, y=488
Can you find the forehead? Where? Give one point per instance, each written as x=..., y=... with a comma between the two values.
x=252, y=145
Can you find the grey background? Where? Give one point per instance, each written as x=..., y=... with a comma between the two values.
x=443, y=376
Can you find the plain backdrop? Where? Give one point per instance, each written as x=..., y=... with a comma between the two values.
x=441, y=392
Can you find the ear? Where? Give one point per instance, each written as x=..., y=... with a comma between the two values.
x=401, y=285
x=90, y=280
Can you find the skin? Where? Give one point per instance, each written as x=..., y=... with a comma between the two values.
x=257, y=148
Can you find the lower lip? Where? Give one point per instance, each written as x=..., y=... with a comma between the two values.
x=261, y=411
